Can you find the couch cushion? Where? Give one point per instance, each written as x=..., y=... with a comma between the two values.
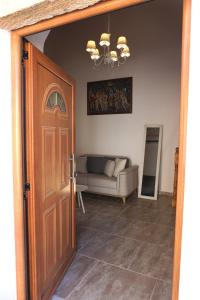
x=101, y=181
x=119, y=166
x=109, y=168
x=96, y=165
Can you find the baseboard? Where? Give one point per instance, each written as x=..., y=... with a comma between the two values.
x=162, y=193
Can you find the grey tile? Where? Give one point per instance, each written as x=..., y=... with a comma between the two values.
x=141, y=214
x=89, y=236
x=163, y=291
x=167, y=218
x=95, y=244
x=79, y=268
x=100, y=200
x=151, y=260
x=142, y=257
x=111, y=283
x=149, y=232
x=111, y=224
x=136, y=229
x=137, y=237
x=84, y=219
x=55, y=297
x=111, y=210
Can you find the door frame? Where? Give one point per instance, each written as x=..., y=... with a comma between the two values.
x=17, y=120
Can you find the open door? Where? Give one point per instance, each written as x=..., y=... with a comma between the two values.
x=49, y=111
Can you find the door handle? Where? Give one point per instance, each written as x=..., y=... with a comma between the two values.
x=73, y=169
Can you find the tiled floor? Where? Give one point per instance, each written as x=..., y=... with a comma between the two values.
x=124, y=251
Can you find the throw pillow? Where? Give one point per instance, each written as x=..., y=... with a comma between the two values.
x=81, y=164
x=119, y=166
x=109, y=168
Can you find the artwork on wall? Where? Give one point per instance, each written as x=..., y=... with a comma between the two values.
x=112, y=96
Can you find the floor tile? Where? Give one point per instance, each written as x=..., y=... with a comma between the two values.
x=141, y=214
x=96, y=241
x=145, y=258
x=55, y=297
x=167, y=218
x=124, y=251
x=162, y=291
x=90, y=236
x=112, y=224
x=111, y=283
x=149, y=232
x=79, y=268
x=151, y=260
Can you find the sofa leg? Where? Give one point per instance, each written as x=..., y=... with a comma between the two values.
x=124, y=200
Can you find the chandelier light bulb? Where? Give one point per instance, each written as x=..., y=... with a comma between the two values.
x=91, y=46
x=125, y=52
x=121, y=42
x=113, y=55
x=105, y=39
x=95, y=54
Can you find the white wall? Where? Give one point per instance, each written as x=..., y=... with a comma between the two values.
x=7, y=241
x=10, y=6
x=38, y=39
x=154, y=40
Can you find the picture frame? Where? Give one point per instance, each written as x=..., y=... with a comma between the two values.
x=113, y=96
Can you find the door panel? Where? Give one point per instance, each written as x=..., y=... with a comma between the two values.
x=50, y=145
x=64, y=153
x=48, y=161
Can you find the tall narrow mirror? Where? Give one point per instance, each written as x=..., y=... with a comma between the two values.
x=149, y=178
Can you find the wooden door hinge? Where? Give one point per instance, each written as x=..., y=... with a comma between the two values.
x=25, y=55
x=27, y=186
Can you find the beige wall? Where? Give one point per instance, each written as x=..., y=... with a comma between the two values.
x=154, y=39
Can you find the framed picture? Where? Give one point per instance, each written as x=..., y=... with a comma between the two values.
x=112, y=96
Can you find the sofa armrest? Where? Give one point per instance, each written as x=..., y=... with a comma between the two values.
x=127, y=181
x=129, y=170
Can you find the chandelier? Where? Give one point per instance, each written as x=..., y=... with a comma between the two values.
x=108, y=57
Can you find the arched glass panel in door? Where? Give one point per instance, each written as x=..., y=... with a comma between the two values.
x=56, y=100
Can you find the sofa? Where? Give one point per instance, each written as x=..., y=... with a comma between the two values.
x=92, y=175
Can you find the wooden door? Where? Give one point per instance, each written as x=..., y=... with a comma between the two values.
x=50, y=147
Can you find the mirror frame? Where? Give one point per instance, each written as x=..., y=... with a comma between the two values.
x=155, y=197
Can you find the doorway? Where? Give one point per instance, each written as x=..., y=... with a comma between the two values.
x=96, y=133
x=182, y=112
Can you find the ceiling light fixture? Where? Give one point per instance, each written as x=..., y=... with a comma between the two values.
x=108, y=57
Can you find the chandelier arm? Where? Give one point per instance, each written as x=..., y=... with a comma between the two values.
x=98, y=62
x=122, y=60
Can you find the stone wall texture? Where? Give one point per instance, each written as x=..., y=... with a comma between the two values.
x=41, y=10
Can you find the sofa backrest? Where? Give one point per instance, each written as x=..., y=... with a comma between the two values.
x=96, y=163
